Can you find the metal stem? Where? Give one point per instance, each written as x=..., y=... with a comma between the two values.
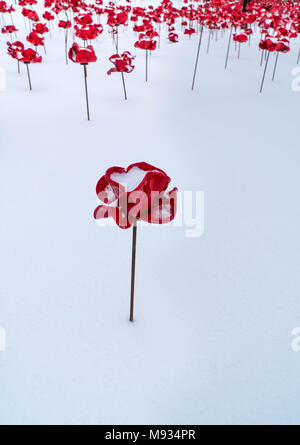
x=134, y=231
x=265, y=70
x=124, y=88
x=86, y=91
x=228, y=48
x=197, y=57
x=275, y=66
x=28, y=74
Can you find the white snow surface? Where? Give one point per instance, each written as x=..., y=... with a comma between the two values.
x=131, y=179
x=211, y=341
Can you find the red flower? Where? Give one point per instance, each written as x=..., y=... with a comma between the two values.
x=48, y=16
x=83, y=19
x=30, y=14
x=35, y=39
x=268, y=44
x=240, y=37
x=151, y=33
x=123, y=63
x=117, y=19
x=189, y=31
x=41, y=28
x=144, y=196
x=30, y=56
x=3, y=6
x=272, y=44
x=82, y=55
x=8, y=29
x=283, y=31
x=283, y=46
x=145, y=42
x=15, y=49
x=89, y=32
x=139, y=28
x=64, y=24
x=173, y=37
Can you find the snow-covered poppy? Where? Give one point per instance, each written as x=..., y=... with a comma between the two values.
x=9, y=29
x=145, y=42
x=123, y=63
x=138, y=192
x=41, y=28
x=241, y=38
x=117, y=19
x=35, y=39
x=15, y=50
x=82, y=55
x=173, y=37
x=30, y=56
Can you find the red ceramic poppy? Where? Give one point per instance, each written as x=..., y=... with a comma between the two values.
x=82, y=55
x=283, y=46
x=268, y=44
x=139, y=28
x=30, y=56
x=123, y=63
x=48, y=16
x=138, y=192
x=89, y=32
x=272, y=44
x=35, y=39
x=145, y=42
x=65, y=24
x=15, y=49
x=117, y=19
x=8, y=29
x=189, y=31
x=3, y=7
x=30, y=14
x=41, y=28
x=83, y=19
x=241, y=38
x=173, y=37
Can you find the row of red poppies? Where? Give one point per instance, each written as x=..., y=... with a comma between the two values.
x=278, y=23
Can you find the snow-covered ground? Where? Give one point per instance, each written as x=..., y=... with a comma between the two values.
x=211, y=342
